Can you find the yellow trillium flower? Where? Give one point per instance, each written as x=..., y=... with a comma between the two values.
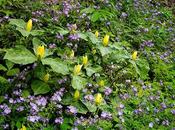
x=23, y=128
x=29, y=25
x=134, y=55
x=40, y=51
x=106, y=40
x=46, y=77
x=101, y=83
x=71, y=54
x=98, y=98
x=85, y=60
x=77, y=69
x=96, y=34
x=76, y=95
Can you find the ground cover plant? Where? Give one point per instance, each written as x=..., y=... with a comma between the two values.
x=87, y=65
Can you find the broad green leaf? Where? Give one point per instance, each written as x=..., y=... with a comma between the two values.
x=3, y=80
x=63, y=31
x=40, y=87
x=36, y=32
x=9, y=64
x=143, y=66
x=91, y=107
x=20, y=55
x=92, y=37
x=91, y=70
x=83, y=36
x=95, y=16
x=25, y=93
x=119, y=56
x=18, y=22
x=87, y=10
x=67, y=99
x=13, y=72
x=23, y=32
x=2, y=68
x=57, y=65
x=105, y=50
x=81, y=107
x=78, y=82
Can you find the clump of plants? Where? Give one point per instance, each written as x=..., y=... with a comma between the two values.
x=93, y=65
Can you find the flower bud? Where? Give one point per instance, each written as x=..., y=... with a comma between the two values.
x=101, y=83
x=29, y=25
x=96, y=34
x=76, y=95
x=85, y=60
x=106, y=40
x=46, y=77
x=98, y=98
x=71, y=54
x=40, y=51
x=23, y=128
x=134, y=55
x=77, y=69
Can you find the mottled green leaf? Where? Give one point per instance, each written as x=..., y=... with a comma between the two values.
x=78, y=82
x=40, y=87
x=20, y=55
x=57, y=65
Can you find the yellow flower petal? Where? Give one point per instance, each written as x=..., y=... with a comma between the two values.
x=46, y=77
x=40, y=51
x=77, y=69
x=98, y=99
x=76, y=95
x=29, y=26
x=106, y=40
x=134, y=55
x=96, y=34
x=23, y=128
x=85, y=60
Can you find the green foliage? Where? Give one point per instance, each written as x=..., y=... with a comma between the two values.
x=39, y=88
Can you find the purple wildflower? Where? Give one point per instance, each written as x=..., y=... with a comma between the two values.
x=89, y=97
x=33, y=118
x=107, y=91
x=106, y=115
x=72, y=110
x=59, y=120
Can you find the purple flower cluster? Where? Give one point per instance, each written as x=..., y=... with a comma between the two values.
x=106, y=115
x=107, y=91
x=57, y=95
x=146, y=44
x=5, y=109
x=89, y=98
x=67, y=7
x=71, y=110
x=59, y=120
x=74, y=37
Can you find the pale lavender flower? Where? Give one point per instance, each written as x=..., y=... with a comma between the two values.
x=173, y=111
x=107, y=91
x=151, y=125
x=59, y=120
x=34, y=107
x=89, y=98
x=33, y=118
x=106, y=115
x=41, y=101
x=20, y=108
x=72, y=110
x=74, y=37
x=52, y=46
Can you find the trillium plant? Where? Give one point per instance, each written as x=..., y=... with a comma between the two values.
x=87, y=65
